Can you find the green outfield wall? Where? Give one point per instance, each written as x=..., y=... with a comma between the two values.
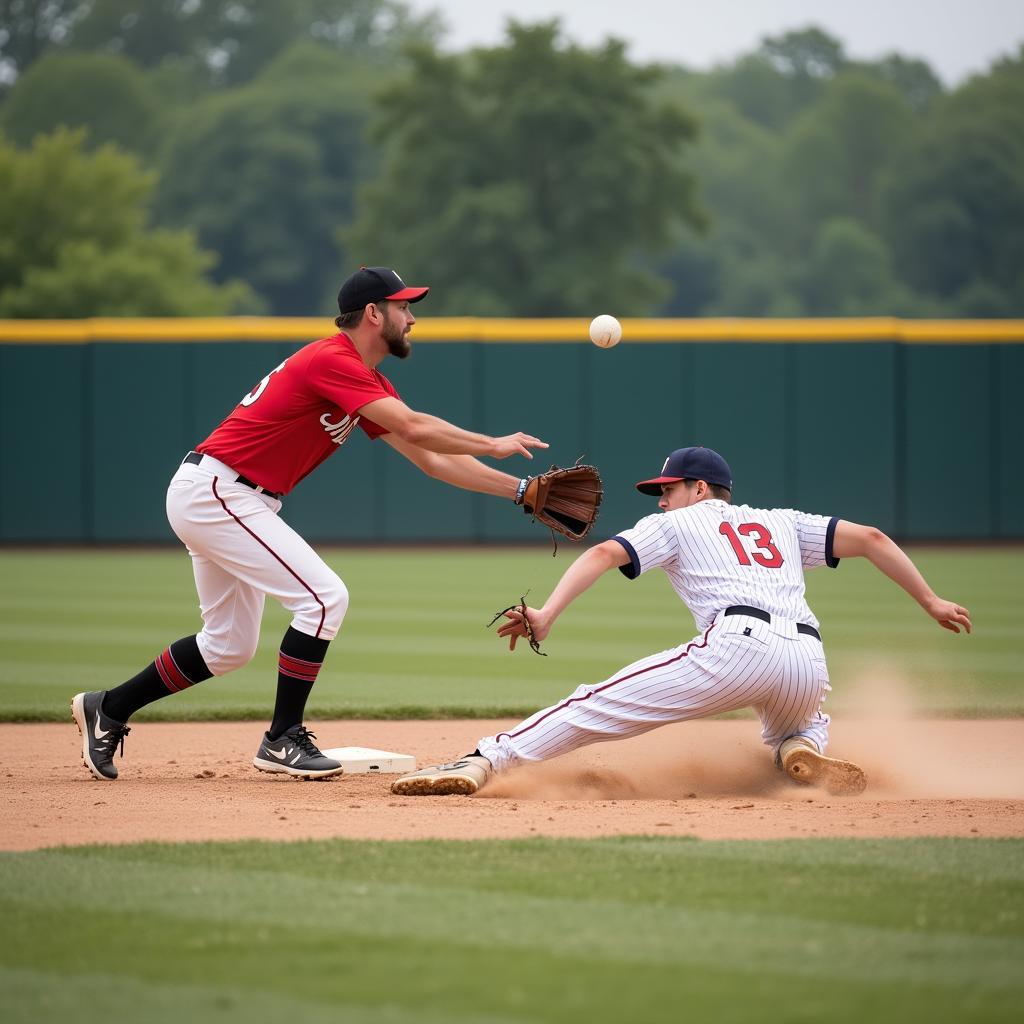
x=915, y=426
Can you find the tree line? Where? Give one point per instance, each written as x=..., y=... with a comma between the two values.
x=200, y=157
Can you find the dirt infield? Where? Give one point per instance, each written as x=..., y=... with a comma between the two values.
x=707, y=779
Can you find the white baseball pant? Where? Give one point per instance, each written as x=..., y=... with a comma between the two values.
x=241, y=551
x=739, y=662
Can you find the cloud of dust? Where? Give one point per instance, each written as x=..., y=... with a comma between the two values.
x=673, y=762
x=885, y=729
x=881, y=727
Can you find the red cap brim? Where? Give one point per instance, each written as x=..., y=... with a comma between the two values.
x=408, y=295
x=653, y=487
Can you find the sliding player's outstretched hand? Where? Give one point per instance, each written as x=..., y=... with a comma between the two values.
x=523, y=621
x=949, y=615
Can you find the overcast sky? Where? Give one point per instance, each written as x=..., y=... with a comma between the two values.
x=956, y=37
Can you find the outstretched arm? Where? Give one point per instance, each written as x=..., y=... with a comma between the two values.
x=459, y=470
x=580, y=576
x=852, y=540
x=437, y=435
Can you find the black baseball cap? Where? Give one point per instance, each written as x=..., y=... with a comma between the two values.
x=696, y=463
x=375, y=284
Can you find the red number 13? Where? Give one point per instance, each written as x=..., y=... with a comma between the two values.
x=772, y=559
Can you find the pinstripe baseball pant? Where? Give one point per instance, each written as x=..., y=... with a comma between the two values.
x=740, y=661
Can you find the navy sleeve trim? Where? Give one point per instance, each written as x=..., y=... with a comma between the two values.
x=830, y=559
x=632, y=570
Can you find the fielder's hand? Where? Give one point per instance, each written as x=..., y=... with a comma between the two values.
x=516, y=444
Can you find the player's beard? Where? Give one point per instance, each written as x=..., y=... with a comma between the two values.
x=396, y=338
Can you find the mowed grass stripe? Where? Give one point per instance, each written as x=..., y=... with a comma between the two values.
x=647, y=870
x=780, y=943
x=961, y=864
x=415, y=637
x=559, y=930
x=468, y=978
x=40, y=996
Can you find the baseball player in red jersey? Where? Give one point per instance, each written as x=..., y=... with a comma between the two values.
x=223, y=503
x=740, y=571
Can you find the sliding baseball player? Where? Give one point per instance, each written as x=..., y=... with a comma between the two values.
x=740, y=571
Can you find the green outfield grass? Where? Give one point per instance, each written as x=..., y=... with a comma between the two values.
x=627, y=929
x=415, y=644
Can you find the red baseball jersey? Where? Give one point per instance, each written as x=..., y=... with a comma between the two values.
x=300, y=413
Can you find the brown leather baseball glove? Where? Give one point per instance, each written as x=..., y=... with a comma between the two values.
x=565, y=499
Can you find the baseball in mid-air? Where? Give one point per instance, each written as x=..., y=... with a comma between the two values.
x=605, y=331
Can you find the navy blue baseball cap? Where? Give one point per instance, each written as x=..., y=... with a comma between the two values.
x=689, y=464
x=375, y=284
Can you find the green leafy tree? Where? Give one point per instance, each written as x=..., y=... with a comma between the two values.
x=807, y=58
x=913, y=79
x=223, y=41
x=742, y=264
x=851, y=188
x=838, y=149
x=954, y=203
x=984, y=299
x=805, y=53
x=29, y=27
x=693, y=270
x=774, y=84
x=758, y=89
x=267, y=174
x=528, y=178
x=850, y=273
x=233, y=40
x=761, y=283
x=73, y=239
x=771, y=86
x=107, y=95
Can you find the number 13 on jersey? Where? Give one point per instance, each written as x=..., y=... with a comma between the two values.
x=765, y=553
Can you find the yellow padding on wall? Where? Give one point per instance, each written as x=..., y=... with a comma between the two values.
x=496, y=329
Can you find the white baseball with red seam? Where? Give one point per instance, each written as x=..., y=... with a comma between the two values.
x=605, y=331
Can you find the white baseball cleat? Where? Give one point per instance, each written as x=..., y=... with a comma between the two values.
x=463, y=777
x=803, y=762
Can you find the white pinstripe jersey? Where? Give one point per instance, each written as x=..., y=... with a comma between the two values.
x=716, y=555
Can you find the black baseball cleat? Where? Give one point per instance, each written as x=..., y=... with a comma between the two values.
x=101, y=735
x=295, y=753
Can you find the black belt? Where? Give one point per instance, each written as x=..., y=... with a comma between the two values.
x=760, y=613
x=194, y=458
